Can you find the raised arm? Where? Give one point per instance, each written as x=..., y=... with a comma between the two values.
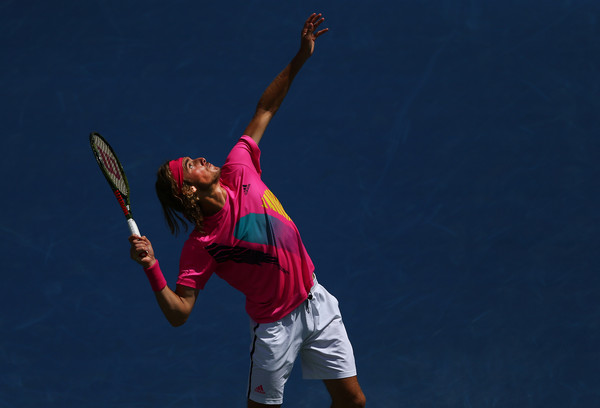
x=273, y=96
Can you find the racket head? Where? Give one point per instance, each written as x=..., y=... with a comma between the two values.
x=110, y=165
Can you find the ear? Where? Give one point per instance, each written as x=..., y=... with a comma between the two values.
x=189, y=190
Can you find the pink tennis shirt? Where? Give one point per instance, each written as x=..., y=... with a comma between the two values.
x=251, y=243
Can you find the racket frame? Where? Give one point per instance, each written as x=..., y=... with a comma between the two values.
x=122, y=196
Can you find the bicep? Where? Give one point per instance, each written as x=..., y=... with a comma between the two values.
x=258, y=124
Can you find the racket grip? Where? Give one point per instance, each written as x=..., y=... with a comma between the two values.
x=133, y=227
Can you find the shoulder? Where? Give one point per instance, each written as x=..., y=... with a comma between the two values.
x=193, y=243
x=194, y=250
x=245, y=153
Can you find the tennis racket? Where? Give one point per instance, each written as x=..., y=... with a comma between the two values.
x=115, y=175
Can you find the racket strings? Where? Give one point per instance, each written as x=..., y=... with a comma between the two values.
x=110, y=164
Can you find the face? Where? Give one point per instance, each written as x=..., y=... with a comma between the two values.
x=200, y=173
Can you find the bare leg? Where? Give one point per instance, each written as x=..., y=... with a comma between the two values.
x=252, y=404
x=345, y=393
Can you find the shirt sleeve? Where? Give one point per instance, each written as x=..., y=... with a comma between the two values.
x=245, y=152
x=195, y=265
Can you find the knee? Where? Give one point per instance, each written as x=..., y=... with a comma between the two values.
x=354, y=401
x=360, y=401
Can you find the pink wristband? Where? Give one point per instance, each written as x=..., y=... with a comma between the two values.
x=155, y=276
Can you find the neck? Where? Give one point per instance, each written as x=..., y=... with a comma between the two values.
x=212, y=201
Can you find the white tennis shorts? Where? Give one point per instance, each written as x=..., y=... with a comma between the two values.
x=315, y=331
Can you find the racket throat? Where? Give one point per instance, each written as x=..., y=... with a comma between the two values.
x=124, y=206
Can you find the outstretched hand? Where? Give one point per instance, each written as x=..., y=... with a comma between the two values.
x=308, y=37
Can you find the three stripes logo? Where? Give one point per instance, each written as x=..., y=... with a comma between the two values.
x=246, y=188
x=259, y=389
x=270, y=201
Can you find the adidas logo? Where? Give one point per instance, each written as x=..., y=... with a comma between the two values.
x=259, y=389
x=246, y=188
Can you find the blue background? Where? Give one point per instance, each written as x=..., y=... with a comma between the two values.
x=439, y=157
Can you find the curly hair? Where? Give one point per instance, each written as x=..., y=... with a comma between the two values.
x=177, y=208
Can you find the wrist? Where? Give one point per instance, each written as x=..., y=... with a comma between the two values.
x=301, y=56
x=148, y=265
x=155, y=276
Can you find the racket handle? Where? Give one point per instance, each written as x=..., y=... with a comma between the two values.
x=133, y=227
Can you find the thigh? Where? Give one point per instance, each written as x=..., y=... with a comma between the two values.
x=327, y=353
x=274, y=348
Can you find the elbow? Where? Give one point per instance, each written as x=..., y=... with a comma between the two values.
x=177, y=319
x=177, y=322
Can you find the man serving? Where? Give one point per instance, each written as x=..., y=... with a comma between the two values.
x=243, y=234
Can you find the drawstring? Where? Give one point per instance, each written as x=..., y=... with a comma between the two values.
x=310, y=296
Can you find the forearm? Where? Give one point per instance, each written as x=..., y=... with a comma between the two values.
x=173, y=306
x=273, y=96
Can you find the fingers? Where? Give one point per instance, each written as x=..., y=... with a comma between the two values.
x=137, y=238
x=318, y=20
x=310, y=19
x=140, y=247
x=321, y=32
x=314, y=21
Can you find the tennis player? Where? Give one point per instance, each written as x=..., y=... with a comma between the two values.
x=243, y=234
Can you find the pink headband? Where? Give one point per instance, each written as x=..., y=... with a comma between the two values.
x=176, y=168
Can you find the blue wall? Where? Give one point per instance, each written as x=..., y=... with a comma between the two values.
x=439, y=157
